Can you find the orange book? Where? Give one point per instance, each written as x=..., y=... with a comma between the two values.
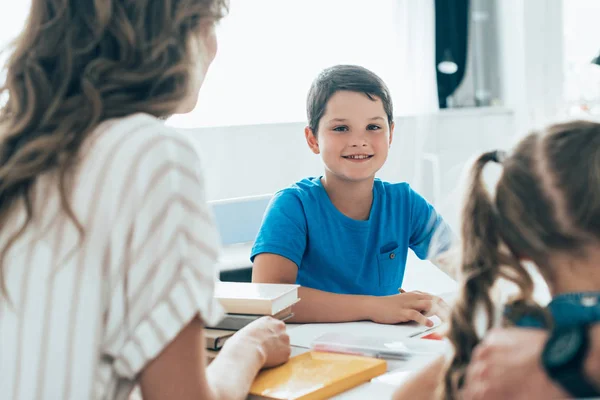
x=315, y=375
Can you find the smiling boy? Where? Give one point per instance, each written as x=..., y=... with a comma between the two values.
x=344, y=236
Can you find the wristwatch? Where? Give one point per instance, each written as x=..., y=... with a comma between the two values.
x=563, y=359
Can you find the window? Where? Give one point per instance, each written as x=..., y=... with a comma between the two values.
x=12, y=20
x=271, y=50
x=581, y=45
x=11, y=23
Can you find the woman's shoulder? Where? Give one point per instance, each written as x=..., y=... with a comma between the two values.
x=124, y=158
x=135, y=130
x=138, y=140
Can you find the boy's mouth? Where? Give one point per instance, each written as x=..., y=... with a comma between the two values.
x=358, y=157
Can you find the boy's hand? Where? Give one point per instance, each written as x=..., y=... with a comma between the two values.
x=406, y=307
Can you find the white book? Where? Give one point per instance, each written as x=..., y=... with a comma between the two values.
x=255, y=298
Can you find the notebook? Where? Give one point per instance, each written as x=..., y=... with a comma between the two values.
x=216, y=338
x=255, y=298
x=303, y=335
x=390, y=348
x=315, y=375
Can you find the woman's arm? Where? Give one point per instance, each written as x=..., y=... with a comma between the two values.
x=180, y=372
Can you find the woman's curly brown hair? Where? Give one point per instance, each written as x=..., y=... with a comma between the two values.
x=78, y=63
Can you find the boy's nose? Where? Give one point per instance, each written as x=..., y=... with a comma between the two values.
x=358, y=139
x=359, y=143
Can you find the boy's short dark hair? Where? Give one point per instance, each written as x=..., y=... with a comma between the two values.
x=345, y=77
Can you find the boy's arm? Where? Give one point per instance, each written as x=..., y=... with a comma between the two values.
x=431, y=237
x=447, y=263
x=315, y=305
x=319, y=306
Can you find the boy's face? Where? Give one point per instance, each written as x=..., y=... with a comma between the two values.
x=353, y=137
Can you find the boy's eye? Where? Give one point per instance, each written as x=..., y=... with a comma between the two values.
x=373, y=127
x=341, y=128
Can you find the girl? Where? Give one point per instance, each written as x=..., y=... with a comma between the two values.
x=106, y=242
x=546, y=210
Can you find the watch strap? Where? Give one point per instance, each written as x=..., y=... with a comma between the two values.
x=571, y=376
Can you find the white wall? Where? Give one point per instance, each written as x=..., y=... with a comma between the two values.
x=256, y=159
x=532, y=60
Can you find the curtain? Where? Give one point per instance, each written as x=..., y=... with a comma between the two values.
x=451, y=40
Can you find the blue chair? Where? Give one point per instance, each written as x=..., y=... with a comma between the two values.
x=238, y=221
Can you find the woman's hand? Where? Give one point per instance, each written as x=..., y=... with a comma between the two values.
x=270, y=338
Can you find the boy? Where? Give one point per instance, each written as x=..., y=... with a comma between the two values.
x=344, y=236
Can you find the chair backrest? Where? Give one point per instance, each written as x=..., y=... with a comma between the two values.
x=239, y=219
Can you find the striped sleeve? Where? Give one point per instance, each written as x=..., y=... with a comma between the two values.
x=164, y=276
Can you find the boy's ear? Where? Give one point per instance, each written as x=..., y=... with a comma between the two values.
x=391, y=133
x=311, y=139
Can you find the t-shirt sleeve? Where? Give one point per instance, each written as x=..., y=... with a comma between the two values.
x=162, y=274
x=283, y=230
x=430, y=234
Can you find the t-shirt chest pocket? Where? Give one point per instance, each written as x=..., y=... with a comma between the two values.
x=389, y=262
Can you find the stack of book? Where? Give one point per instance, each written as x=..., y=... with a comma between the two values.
x=246, y=302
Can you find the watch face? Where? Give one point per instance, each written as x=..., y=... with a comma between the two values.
x=562, y=347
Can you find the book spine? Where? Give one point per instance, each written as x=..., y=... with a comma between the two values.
x=231, y=324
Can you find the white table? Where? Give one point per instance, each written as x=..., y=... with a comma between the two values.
x=419, y=275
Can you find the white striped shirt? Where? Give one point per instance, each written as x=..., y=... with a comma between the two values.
x=84, y=315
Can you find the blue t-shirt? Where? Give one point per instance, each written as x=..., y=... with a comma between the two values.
x=338, y=254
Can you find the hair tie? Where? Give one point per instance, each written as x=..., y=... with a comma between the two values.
x=499, y=156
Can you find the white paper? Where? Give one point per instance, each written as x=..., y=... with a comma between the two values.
x=383, y=386
x=400, y=371
x=367, y=390
x=394, y=378
x=303, y=335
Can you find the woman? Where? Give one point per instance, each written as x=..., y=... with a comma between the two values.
x=107, y=244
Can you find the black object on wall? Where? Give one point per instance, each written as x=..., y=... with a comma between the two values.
x=451, y=43
x=596, y=60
